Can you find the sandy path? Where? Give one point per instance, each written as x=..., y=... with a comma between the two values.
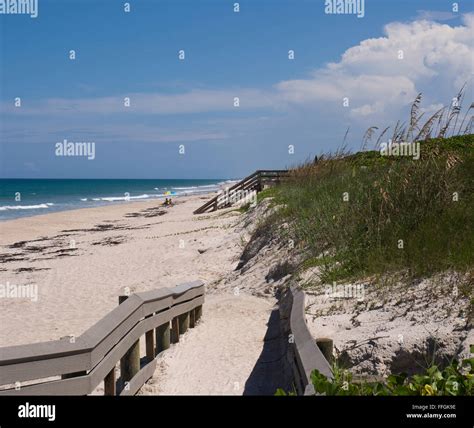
x=218, y=356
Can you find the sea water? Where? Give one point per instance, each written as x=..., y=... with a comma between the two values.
x=28, y=197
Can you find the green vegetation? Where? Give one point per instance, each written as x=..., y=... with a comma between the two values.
x=455, y=379
x=372, y=212
x=267, y=193
x=381, y=214
x=243, y=209
x=363, y=214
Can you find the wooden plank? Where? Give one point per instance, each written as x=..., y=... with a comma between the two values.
x=145, y=373
x=127, y=312
x=185, y=297
x=155, y=302
x=19, y=372
x=307, y=354
x=156, y=306
x=86, y=384
x=176, y=295
x=42, y=360
x=112, y=357
x=187, y=287
x=115, y=353
x=109, y=361
x=214, y=200
x=44, y=368
x=252, y=181
x=41, y=350
x=143, y=304
x=72, y=386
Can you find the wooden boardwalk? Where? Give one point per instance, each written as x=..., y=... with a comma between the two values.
x=76, y=367
x=255, y=182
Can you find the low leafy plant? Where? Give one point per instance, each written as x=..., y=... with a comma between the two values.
x=455, y=379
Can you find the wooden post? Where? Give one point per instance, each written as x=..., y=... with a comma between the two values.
x=130, y=362
x=110, y=383
x=192, y=318
x=326, y=345
x=174, y=330
x=162, y=337
x=198, y=313
x=183, y=323
x=150, y=344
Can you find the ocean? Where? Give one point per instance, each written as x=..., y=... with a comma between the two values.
x=29, y=197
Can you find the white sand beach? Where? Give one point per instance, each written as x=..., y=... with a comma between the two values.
x=82, y=260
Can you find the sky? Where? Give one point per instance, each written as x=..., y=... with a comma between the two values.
x=182, y=122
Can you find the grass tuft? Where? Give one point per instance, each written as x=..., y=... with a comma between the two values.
x=356, y=215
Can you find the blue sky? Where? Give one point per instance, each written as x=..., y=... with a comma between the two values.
x=282, y=102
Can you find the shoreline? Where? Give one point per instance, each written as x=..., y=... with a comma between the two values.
x=104, y=203
x=85, y=258
x=110, y=205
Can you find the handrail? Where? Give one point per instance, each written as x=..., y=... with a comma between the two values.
x=85, y=361
x=252, y=182
x=307, y=355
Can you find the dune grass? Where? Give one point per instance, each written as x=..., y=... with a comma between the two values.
x=355, y=215
x=363, y=214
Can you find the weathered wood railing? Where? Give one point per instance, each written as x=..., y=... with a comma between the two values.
x=254, y=182
x=77, y=366
x=305, y=353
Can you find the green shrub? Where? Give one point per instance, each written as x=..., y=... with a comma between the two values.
x=455, y=379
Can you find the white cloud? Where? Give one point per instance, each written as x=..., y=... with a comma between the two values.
x=373, y=77
x=195, y=101
x=435, y=15
x=49, y=132
x=437, y=60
